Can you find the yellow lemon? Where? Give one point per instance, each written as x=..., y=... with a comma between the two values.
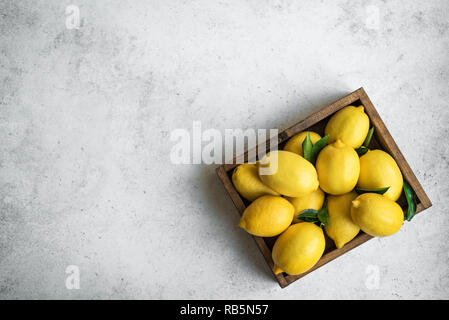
x=350, y=125
x=341, y=228
x=295, y=142
x=379, y=170
x=267, y=216
x=338, y=168
x=288, y=173
x=298, y=249
x=377, y=215
x=247, y=182
x=313, y=200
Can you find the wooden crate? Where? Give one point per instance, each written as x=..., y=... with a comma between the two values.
x=316, y=122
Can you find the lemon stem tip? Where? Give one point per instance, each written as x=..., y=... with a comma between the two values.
x=277, y=270
x=355, y=203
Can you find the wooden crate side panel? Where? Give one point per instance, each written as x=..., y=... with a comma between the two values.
x=229, y=186
x=388, y=143
x=320, y=115
x=329, y=256
x=302, y=125
x=239, y=204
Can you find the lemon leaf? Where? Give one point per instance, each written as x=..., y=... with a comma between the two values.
x=307, y=147
x=379, y=191
x=320, y=144
x=411, y=200
x=368, y=138
x=308, y=214
x=323, y=216
x=361, y=150
x=313, y=220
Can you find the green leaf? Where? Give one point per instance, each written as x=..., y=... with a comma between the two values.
x=379, y=191
x=411, y=201
x=315, y=216
x=323, y=216
x=361, y=150
x=368, y=138
x=307, y=147
x=320, y=144
x=308, y=214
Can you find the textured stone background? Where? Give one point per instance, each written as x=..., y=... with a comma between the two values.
x=85, y=122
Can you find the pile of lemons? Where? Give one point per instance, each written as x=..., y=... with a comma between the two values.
x=334, y=182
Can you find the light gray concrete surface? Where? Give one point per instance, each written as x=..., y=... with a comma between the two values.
x=85, y=122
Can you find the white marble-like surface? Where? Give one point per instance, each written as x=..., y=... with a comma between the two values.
x=85, y=122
